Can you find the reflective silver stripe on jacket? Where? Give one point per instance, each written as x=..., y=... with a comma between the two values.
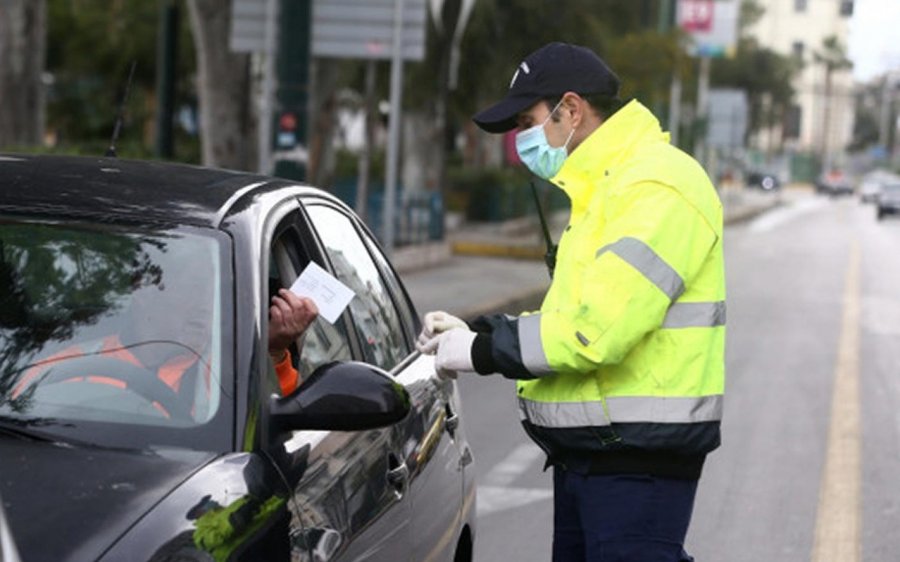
x=531, y=348
x=695, y=315
x=642, y=257
x=623, y=409
x=562, y=414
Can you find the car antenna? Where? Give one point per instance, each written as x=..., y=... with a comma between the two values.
x=111, y=151
x=550, y=256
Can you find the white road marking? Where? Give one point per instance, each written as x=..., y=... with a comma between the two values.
x=497, y=494
x=781, y=215
x=838, y=519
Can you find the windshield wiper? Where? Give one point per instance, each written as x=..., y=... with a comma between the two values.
x=24, y=428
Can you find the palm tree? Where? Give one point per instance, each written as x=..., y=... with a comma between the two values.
x=832, y=55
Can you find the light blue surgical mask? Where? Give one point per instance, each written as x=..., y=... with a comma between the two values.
x=537, y=154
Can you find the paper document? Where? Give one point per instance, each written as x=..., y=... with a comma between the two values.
x=330, y=295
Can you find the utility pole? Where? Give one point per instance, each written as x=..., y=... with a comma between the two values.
x=393, y=149
x=268, y=86
x=293, y=82
x=702, y=110
x=665, y=22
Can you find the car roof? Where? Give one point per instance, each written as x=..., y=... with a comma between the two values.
x=113, y=189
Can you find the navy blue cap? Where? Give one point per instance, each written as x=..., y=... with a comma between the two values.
x=552, y=70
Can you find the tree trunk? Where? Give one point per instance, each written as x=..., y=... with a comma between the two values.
x=227, y=123
x=23, y=31
x=322, y=157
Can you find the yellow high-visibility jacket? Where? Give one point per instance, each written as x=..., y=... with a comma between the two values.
x=622, y=370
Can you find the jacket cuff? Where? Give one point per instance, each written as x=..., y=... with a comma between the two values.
x=482, y=357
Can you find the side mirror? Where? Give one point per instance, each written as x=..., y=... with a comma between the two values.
x=341, y=396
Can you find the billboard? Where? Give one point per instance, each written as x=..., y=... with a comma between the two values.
x=712, y=25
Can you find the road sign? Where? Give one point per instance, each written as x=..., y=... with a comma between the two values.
x=365, y=30
x=727, y=125
x=248, y=26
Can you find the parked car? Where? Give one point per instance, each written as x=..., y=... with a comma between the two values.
x=888, y=202
x=763, y=179
x=203, y=459
x=834, y=182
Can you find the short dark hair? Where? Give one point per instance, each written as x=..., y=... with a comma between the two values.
x=603, y=105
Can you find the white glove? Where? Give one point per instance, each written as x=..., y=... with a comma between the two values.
x=437, y=322
x=453, y=352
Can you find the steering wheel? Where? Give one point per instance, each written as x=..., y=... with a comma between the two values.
x=140, y=380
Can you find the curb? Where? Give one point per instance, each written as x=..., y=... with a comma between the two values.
x=492, y=249
x=527, y=299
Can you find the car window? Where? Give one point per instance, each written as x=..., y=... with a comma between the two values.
x=374, y=315
x=401, y=299
x=112, y=326
x=322, y=342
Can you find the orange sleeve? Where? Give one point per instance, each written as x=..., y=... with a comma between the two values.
x=288, y=377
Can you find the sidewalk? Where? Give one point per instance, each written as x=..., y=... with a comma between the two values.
x=482, y=269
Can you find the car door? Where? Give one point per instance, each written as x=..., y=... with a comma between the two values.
x=349, y=503
x=387, y=324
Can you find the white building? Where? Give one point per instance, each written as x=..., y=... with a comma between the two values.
x=818, y=123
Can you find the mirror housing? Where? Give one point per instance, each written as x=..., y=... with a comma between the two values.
x=341, y=396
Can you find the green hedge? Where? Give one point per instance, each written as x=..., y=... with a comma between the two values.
x=497, y=194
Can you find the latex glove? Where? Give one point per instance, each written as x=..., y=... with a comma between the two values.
x=453, y=352
x=435, y=323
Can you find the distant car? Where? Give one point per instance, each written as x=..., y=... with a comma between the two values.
x=869, y=190
x=834, y=183
x=870, y=185
x=765, y=180
x=888, y=202
x=140, y=415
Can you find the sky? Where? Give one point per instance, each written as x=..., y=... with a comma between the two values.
x=874, y=41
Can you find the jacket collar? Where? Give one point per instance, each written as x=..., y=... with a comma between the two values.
x=609, y=145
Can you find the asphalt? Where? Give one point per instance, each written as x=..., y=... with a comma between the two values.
x=498, y=267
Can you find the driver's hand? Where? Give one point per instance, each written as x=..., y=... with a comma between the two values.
x=289, y=316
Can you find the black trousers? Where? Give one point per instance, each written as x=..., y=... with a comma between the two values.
x=620, y=518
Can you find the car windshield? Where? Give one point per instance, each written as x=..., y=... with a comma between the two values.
x=111, y=336
x=891, y=188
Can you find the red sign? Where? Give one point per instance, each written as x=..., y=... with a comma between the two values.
x=696, y=15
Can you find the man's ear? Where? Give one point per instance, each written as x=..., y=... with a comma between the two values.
x=575, y=106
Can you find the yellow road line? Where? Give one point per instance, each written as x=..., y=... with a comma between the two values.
x=838, y=519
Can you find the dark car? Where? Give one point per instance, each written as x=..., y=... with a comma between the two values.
x=834, y=183
x=888, y=201
x=140, y=414
x=763, y=179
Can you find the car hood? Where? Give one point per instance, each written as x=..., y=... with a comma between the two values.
x=72, y=503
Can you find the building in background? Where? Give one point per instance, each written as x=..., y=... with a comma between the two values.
x=821, y=121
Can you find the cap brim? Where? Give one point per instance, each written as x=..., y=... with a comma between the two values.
x=501, y=116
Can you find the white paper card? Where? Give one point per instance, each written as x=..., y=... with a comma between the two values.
x=330, y=295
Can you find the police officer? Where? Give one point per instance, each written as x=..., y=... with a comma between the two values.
x=620, y=375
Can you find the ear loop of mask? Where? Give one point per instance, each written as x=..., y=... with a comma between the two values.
x=571, y=133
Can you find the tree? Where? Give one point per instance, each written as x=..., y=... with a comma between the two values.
x=765, y=75
x=227, y=122
x=833, y=56
x=91, y=47
x=23, y=26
